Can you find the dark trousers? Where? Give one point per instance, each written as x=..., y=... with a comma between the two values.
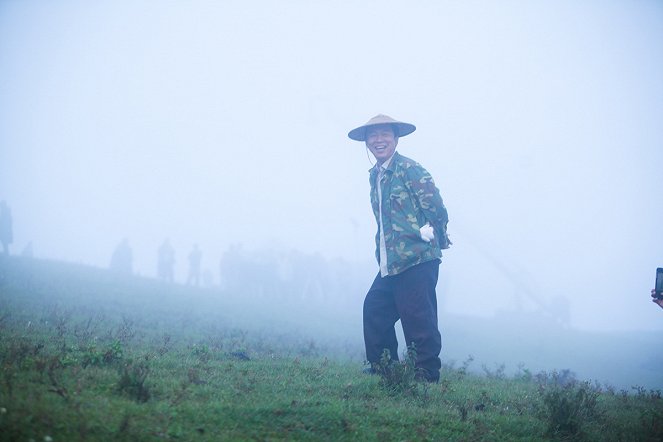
x=409, y=296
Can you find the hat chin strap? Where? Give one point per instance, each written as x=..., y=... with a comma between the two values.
x=368, y=155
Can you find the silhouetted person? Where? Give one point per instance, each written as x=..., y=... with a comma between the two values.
x=122, y=259
x=207, y=278
x=195, y=256
x=6, y=232
x=231, y=267
x=166, y=262
x=27, y=251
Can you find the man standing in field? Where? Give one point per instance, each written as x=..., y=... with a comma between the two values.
x=412, y=231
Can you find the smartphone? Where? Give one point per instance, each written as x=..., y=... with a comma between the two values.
x=659, y=284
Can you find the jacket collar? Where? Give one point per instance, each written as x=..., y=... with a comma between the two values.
x=391, y=167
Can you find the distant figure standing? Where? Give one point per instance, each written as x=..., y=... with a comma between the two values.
x=122, y=259
x=207, y=278
x=166, y=262
x=195, y=257
x=6, y=232
x=27, y=251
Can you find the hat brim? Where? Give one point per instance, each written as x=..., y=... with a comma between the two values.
x=403, y=129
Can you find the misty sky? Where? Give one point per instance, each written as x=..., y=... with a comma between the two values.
x=226, y=122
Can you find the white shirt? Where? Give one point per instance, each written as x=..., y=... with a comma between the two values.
x=383, y=245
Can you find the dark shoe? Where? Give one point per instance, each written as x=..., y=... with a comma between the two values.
x=427, y=376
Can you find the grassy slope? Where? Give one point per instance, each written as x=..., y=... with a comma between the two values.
x=87, y=355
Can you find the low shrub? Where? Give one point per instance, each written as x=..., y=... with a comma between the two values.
x=132, y=380
x=398, y=376
x=568, y=405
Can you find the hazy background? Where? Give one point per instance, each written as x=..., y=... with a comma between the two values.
x=224, y=123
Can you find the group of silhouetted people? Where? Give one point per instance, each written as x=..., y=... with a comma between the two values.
x=122, y=261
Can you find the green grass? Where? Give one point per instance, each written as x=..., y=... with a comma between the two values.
x=87, y=356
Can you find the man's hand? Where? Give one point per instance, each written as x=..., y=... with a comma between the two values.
x=427, y=232
x=657, y=301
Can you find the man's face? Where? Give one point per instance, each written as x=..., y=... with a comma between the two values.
x=381, y=141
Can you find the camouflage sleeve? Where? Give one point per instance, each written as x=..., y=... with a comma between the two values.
x=429, y=201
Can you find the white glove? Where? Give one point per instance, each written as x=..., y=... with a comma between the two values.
x=427, y=233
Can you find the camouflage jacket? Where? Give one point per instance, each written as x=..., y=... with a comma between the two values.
x=409, y=200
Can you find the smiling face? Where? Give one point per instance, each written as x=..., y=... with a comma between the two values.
x=381, y=141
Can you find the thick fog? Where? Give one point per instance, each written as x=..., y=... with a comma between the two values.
x=224, y=124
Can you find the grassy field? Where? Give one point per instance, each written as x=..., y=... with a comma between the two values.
x=89, y=355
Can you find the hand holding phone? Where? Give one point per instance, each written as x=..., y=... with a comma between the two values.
x=658, y=287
